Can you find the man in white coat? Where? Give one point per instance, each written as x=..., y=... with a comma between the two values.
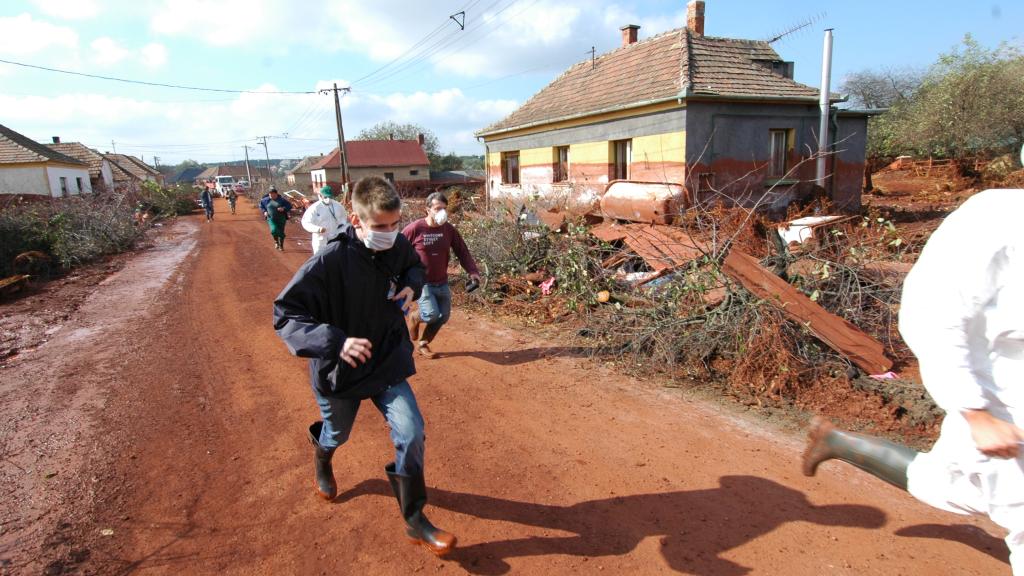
x=962, y=314
x=323, y=218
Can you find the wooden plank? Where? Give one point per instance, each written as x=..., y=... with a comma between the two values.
x=840, y=335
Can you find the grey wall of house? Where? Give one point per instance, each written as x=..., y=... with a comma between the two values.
x=732, y=138
x=646, y=125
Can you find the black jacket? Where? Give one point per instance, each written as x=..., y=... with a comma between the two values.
x=342, y=292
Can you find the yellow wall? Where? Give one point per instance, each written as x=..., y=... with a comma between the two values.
x=670, y=147
x=536, y=156
x=590, y=153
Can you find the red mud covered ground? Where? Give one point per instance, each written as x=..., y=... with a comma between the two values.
x=160, y=430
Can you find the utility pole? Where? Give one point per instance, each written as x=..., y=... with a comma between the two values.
x=341, y=140
x=113, y=146
x=267, y=152
x=248, y=175
x=156, y=162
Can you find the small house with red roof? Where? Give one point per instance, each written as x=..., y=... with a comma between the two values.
x=403, y=162
x=722, y=117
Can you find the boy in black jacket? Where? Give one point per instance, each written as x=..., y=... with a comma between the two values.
x=344, y=310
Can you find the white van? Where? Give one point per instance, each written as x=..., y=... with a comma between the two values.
x=225, y=184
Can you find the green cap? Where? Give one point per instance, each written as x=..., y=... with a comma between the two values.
x=326, y=191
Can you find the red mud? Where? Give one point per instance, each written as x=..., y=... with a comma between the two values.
x=186, y=454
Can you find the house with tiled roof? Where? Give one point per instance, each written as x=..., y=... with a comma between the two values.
x=101, y=175
x=299, y=177
x=32, y=169
x=403, y=162
x=722, y=117
x=137, y=168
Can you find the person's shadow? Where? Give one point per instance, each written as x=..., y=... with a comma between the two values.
x=516, y=357
x=695, y=527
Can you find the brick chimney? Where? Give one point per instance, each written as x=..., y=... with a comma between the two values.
x=56, y=139
x=419, y=138
x=695, y=16
x=629, y=34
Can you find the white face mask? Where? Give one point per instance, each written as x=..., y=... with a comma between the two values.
x=379, y=241
x=440, y=217
x=325, y=199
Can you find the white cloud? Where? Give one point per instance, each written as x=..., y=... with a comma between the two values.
x=23, y=35
x=69, y=9
x=500, y=37
x=176, y=130
x=110, y=52
x=153, y=55
x=107, y=51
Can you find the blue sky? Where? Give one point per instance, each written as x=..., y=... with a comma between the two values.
x=453, y=83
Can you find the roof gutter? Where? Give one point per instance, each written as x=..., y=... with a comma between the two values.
x=677, y=98
x=685, y=94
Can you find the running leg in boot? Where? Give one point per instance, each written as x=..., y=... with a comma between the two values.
x=325, y=484
x=880, y=458
x=426, y=337
x=411, y=493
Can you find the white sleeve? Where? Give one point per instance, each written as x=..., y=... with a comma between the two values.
x=943, y=307
x=309, y=220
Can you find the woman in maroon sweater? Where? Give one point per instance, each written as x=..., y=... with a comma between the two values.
x=434, y=239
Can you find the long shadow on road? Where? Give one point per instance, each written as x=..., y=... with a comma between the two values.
x=514, y=357
x=694, y=527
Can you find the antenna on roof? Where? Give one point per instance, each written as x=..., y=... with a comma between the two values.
x=798, y=26
x=593, y=62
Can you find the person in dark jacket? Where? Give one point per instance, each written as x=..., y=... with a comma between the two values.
x=206, y=199
x=344, y=310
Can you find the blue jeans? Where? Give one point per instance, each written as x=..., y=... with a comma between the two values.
x=435, y=304
x=397, y=404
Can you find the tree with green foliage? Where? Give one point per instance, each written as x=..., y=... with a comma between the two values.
x=970, y=103
x=389, y=130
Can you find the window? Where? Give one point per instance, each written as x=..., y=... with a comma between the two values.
x=63, y=186
x=510, y=167
x=78, y=180
x=779, y=142
x=561, y=173
x=390, y=177
x=622, y=152
x=414, y=172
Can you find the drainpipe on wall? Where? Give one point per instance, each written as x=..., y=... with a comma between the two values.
x=823, y=97
x=487, y=178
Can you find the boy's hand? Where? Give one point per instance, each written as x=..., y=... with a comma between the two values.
x=994, y=437
x=475, y=278
x=356, y=351
x=404, y=294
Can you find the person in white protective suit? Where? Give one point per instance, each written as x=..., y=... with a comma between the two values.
x=323, y=218
x=962, y=314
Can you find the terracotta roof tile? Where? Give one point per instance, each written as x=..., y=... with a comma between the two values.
x=377, y=153
x=674, y=64
x=83, y=154
x=16, y=148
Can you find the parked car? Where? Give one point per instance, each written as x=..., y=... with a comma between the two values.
x=244, y=184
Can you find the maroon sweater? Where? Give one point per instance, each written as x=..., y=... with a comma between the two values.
x=434, y=244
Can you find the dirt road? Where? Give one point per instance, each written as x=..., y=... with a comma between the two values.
x=161, y=431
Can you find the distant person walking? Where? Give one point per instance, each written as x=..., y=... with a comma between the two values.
x=324, y=218
x=276, y=211
x=206, y=199
x=232, y=199
x=434, y=238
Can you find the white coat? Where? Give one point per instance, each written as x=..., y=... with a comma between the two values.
x=962, y=314
x=329, y=216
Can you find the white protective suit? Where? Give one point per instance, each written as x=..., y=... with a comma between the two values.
x=962, y=314
x=329, y=216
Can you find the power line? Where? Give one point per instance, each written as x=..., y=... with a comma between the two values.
x=430, y=35
x=159, y=84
